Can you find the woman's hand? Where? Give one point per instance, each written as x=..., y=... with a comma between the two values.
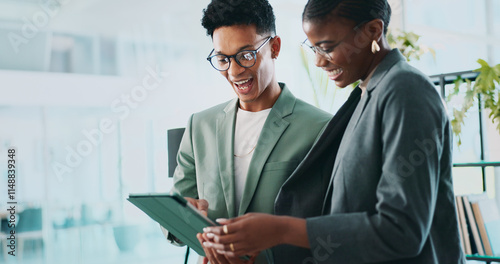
x=215, y=258
x=250, y=233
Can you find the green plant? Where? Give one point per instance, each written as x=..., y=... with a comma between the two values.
x=485, y=87
x=407, y=43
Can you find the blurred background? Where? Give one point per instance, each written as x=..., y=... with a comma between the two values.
x=88, y=90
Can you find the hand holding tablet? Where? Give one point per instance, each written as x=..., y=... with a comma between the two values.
x=176, y=214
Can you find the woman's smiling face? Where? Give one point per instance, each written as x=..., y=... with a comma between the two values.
x=346, y=47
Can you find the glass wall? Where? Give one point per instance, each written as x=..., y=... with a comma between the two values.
x=461, y=32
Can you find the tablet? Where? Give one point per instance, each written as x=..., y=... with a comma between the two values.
x=176, y=214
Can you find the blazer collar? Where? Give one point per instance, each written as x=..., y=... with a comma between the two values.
x=285, y=103
x=231, y=106
x=273, y=128
x=393, y=57
x=225, y=151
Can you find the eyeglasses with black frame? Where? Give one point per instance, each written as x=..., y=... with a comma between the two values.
x=326, y=53
x=244, y=58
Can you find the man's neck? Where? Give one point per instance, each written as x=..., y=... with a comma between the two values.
x=266, y=99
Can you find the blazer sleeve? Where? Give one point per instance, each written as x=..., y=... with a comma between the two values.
x=413, y=134
x=185, y=172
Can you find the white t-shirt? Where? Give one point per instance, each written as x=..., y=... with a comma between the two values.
x=246, y=134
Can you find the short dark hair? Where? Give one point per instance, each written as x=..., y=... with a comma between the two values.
x=357, y=10
x=220, y=13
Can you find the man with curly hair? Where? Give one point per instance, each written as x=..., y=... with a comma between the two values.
x=234, y=157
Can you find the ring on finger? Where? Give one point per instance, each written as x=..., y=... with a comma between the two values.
x=231, y=246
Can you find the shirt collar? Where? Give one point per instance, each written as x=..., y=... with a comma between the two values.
x=364, y=83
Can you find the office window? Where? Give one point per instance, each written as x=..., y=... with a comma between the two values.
x=461, y=32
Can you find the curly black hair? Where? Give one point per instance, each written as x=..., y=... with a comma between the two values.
x=220, y=13
x=357, y=10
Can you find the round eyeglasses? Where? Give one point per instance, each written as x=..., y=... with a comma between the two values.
x=244, y=58
x=327, y=53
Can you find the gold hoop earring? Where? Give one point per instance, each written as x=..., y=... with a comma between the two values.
x=375, y=47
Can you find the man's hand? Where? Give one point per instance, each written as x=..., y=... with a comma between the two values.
x=201, y=204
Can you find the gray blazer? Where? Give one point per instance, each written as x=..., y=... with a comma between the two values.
x=390, y=198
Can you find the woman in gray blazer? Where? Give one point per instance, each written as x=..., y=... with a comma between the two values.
x=390, y=198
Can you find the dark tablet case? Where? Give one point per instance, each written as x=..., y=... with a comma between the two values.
x=175, y=214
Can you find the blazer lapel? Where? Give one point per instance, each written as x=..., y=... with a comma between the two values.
x=225, y=152
x=273, y=128
x=345, y=144
x=390, y=60
x=329, y=139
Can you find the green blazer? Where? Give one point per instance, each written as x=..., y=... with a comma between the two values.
x=205, y=160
